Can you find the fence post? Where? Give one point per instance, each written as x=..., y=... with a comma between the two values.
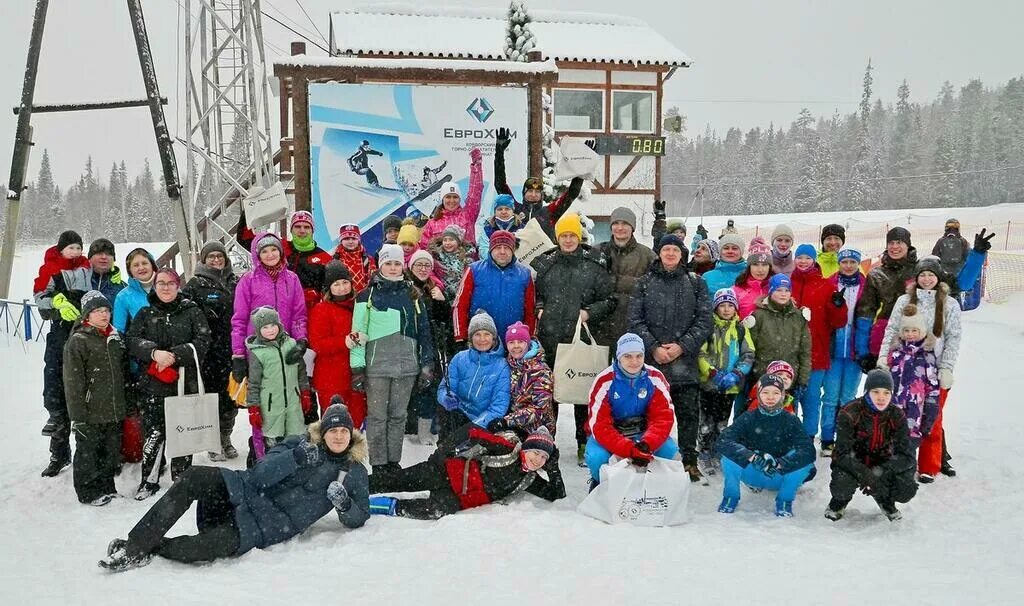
x=1006, y=244
x=27, y=319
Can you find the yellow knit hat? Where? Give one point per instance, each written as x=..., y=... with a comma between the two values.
x=569, y=223
x=408, y=235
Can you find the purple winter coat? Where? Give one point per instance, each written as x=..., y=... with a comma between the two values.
x=256, y=289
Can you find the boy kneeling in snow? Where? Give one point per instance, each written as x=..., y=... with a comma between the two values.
x=873, y=451
x=473, y=467
x=766, y=448
x=630, y=412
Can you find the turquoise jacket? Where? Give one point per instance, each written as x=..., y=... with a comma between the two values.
x=128, y=303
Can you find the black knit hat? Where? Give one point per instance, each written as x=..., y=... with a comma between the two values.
x=94, y=300
x=878, y=378
x=898, y=234
x=67, y=238
x=540, y=440
x=336, y=415
x=101, y=245
x=334, y=271
x=930, y=263
x=833, y=229
x=392, y=222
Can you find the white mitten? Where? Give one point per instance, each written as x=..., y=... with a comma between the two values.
x=806, y=311
x=749, y=322
x=945, y=378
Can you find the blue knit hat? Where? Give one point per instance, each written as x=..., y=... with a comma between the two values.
x=336, y=415
x=673, y=240
x=848, y=253
x=725, y=295
x=779, y=281
x=806, y=249
x=504, y=200
x=629, y=343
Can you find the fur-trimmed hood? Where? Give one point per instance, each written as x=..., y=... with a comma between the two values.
x=357, y=451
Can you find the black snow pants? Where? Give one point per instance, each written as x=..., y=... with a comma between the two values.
x=715, y=409
x=54, y=402
x=154, y=440
x=429, y=475
x=685, y=401
x=892, y=488
x=215, y=516
x=97, y=454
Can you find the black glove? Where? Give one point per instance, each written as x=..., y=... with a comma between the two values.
x=307, y=453
x=294, y=355
x=641, y=454
x=659, y=209
x=359, y=380
x=868, y=363
x=503, y=140
x=499, y=424
x=839, y=298
x=983, y=243
x=239, y=368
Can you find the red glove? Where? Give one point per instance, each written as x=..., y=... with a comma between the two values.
x=255, y=417
x=307, y=401
x=641, y=454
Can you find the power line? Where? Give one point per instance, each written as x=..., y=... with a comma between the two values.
x=311, y=22
x=292, y=30
x=283, y=15
x=896, y=178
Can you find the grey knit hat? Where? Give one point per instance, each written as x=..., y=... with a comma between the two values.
x=262, y=316
x=623, y=214
x=94, y=300
x=482, y=321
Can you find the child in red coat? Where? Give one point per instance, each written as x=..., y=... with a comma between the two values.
x=67, y=254
x=330, y=323
x=825, y=314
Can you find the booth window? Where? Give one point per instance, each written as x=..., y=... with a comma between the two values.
x=579, y=110
x=633, y=111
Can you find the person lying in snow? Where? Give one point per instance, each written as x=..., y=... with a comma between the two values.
x=473, y=468
x=298, y=482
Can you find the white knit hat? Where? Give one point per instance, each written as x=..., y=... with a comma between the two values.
x=391, y=252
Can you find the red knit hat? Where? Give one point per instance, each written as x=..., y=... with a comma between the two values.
x=503, y=238
x=301, y=216
x=349, y=230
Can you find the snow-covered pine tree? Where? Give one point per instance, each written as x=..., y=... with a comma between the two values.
x=858, y=191
x=519, y=39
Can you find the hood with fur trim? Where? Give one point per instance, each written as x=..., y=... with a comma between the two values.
x=357, y=451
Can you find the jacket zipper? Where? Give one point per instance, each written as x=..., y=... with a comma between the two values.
x=284, y=378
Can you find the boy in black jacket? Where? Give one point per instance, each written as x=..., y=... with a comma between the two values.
x=873, y=451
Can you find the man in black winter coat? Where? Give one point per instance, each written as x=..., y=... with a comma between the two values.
x=873, y=451
x=213, y=290
x=671, y=311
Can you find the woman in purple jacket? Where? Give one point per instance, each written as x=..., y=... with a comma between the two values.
x=269, y=283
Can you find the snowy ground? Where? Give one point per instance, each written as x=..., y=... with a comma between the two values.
x=956, y=544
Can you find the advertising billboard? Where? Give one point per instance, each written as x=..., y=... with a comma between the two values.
x=383, y=149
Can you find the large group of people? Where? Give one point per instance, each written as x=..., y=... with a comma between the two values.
x=751, y=350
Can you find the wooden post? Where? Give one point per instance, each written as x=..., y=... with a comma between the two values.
x=535, y=102
x=300, y=130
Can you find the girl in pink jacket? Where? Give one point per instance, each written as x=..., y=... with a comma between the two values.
x=451, y=212
x=752, y=285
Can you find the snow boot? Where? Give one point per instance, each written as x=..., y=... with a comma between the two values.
x=592, y=484
x=57, y=464
x=889, y=508
x=925, y=478
x=383, y=506
x=836, y=510
x=827, y=448
x=146, y=490
x=101, y=500
x=783, y=509
x=947, y=470
x=120, y=561
x=728, y=504
x=581, y=452
x=115, y=545
x=695, y=474
x=423, y=434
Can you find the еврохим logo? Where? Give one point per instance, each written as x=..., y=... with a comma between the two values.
x=480, y=109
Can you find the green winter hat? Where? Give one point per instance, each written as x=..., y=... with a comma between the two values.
x=262, y=316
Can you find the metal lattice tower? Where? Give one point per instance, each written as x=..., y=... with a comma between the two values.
x=227, y=116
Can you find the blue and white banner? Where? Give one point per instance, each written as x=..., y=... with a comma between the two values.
x=382, y=149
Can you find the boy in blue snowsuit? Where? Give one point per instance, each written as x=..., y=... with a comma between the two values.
x=766, y=449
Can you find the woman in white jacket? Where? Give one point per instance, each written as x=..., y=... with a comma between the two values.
x=942, y=313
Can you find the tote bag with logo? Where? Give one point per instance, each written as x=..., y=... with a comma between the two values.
x=656, y=495
x=191, y=421
x=577, y=364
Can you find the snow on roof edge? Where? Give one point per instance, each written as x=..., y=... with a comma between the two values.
x=538, y=67
x=464, y=12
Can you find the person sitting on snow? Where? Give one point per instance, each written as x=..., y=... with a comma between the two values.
x=873, y=451
x=766, y=449
x=472, y=468
x=630, y=413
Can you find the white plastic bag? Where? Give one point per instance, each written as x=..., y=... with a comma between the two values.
x=577, y=160
x=657, y=495
x=532, y=242
x=191, y=422
x=266, y=206
x=577, y=364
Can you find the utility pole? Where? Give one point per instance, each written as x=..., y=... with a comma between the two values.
x=23, y=138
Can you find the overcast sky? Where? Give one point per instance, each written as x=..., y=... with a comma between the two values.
x=754, y=62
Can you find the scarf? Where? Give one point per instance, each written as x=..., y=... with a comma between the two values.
x=103, y=331
x=275, y=271
x=848, y=281
x=303, y=244
x=355, y=261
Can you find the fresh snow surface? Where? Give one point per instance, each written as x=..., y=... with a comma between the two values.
x=957, y=543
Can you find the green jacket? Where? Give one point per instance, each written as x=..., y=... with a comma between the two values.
x=95, y=367
x=275, y=385
x=781, y=333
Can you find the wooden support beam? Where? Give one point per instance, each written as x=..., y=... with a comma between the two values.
x=80, y=107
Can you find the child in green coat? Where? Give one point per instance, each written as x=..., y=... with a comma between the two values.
x=278, y=394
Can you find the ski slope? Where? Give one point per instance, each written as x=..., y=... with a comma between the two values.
x=956, y=544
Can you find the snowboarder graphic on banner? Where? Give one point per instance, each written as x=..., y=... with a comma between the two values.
x=359, y=162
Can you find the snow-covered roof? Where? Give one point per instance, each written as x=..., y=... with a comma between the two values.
x=540, y=67
x=474, y=33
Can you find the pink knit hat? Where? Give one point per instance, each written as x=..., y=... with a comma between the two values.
x=517, y=332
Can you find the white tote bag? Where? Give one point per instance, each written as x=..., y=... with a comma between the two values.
x=657, y=495
x=191, y=421
x=576, y=160
x=263, y=207
x=532, y=242
x=577, y=364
